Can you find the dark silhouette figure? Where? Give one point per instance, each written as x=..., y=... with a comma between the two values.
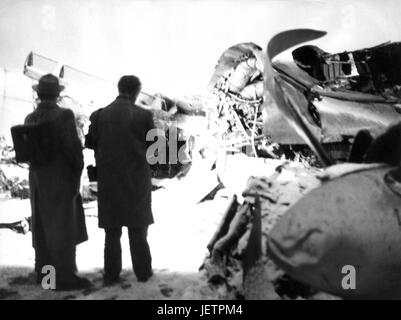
x=118, y=135
x=58, y=221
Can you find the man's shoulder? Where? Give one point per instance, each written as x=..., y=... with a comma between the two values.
x=56, y=113
x=144, y=112
x=29, y=117
x=65, y=111
x=63, y=115
x=95, y=114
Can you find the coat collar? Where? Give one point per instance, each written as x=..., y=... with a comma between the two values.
x=125, y=100
x=45, y=105
x=123, y=97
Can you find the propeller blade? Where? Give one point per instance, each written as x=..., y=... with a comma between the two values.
x=287, y=104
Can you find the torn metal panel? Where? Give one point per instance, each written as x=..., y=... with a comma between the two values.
x=337, y=108
x=346, y=118
x=339, y=225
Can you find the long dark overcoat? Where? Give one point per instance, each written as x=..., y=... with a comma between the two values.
x=57, y=212
x=118, y=135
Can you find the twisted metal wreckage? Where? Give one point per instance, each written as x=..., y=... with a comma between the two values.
x=343, y=107
x=350, y=221
x=337, y=95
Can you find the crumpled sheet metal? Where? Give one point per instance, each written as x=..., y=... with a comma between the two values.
x=352, y=220
x=337, y=113
x=276, y=123
x=347, y=118
x=236, y=70
x=339, y=118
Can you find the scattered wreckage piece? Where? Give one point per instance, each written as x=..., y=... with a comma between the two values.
x=256, y=282
x=183, y=122
x=224, y=223
x=222, y=242
x=16, y=187
x=236, y=229
x=13, y=176
x=22, y=226
x=262, y=280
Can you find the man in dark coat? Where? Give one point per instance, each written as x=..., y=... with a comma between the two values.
x=118, y=135
x=58, y=221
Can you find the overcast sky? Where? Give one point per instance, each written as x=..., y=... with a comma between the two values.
x=173, y=45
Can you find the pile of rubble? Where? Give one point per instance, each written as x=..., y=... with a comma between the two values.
x=313, y=229
x=230, y=267
x=181, y=122
x=13, y=184
x=13, y=176
x=237, y=90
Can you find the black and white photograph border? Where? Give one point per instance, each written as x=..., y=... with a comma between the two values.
x=253, y=146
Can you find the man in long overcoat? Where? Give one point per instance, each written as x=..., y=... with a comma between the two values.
x=118, y=135
x=58, y=221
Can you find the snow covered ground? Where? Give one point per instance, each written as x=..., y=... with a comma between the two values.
x=178, y=240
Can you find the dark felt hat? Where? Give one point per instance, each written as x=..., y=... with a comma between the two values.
x=49, y=85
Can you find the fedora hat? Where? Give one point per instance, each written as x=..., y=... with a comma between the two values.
x=49, y=85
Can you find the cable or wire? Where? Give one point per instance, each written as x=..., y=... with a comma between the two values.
x=253, y=132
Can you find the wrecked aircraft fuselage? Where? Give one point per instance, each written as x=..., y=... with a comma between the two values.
x=337, y=95
x=342, y=93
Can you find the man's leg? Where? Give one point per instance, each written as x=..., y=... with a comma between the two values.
x=63, y=257
x=112, y=254
x=64, y=261
x=42, y=254
x=66, y=279
x=140, y=252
